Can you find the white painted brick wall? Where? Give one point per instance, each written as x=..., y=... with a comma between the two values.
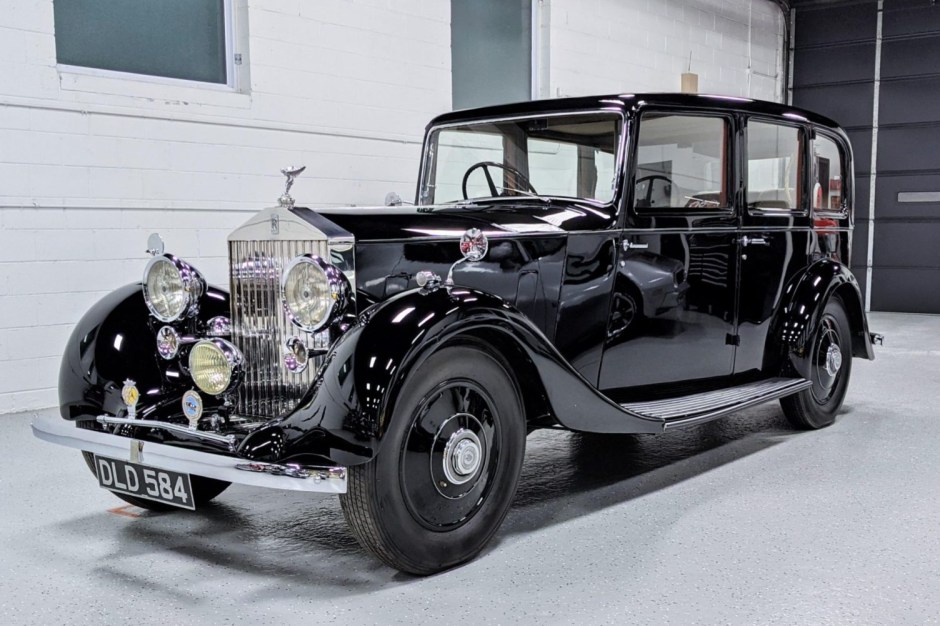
x=91, y=164
x=627, y=46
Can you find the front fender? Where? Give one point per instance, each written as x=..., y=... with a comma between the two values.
x=116, y=340
x=347, y=411
x=795, y=327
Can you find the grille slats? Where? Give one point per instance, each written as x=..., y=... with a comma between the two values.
x=260, y=327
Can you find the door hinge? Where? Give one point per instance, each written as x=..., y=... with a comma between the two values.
x=732, y=340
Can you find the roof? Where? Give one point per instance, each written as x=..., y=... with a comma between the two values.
x=631, y=103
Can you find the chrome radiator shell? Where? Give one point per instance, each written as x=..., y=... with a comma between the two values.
x=258, y=253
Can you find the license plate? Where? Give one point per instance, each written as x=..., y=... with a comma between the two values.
x=143, y=481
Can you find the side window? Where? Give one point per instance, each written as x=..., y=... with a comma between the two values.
x=682, y=163
x=829, y=168
x=774, y=166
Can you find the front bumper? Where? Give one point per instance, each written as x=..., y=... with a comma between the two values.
x=230, y=469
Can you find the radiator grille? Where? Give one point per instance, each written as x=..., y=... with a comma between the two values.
x=260, y=327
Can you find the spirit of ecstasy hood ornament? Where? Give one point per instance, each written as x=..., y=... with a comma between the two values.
x=291, y=172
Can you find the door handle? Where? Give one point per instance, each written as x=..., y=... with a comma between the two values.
x=753, y=241
x=630, y=245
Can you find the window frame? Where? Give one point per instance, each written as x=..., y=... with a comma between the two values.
x=847, y=188
x=231, y=75
x=805, y=136
x=731, y=149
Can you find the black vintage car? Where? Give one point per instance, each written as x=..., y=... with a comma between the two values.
x=617, y=264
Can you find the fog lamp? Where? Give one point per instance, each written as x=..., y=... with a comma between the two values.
x=214, y=365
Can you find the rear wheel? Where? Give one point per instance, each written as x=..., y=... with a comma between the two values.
x=829, y=365
x=204, y=489
x=447, y=471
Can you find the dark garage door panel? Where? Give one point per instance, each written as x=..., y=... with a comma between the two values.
x=889, y=186
x=909, y=148
x=910, y=17
x=815, y=66
x=815, y=24
x=908, y=244
x=905, y=290
x=909, y=101
x=849, y=105
x=861, y=152
x=909, y=57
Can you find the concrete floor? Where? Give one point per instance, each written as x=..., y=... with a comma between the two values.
x=741, y=521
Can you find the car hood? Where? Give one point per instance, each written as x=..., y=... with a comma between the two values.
x=389, y=223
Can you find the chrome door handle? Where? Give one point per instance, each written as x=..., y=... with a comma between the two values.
x=629, y=245
x=753, y=241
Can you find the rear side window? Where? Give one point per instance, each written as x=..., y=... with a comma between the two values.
x=682, y=163
x=829, y=176
x=774, y=166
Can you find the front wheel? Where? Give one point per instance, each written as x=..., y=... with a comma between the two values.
x=447, y=471
x=829, y=366
x=204, y=489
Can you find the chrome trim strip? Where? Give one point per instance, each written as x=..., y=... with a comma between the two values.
x=56, y=430
x=110, y=420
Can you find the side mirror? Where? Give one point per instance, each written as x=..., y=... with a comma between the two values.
x=392, y=199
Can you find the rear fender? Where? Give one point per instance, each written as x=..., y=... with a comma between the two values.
x=796, y=325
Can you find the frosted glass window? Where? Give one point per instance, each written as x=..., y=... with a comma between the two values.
x=170, y=38
x=491, y=51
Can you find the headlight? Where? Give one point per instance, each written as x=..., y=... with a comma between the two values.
x=214, y=365
x=171, y=288
x=314, y=292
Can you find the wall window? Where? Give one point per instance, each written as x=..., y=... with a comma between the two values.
x=682, y=162
x=774, y=166
x=185, y=39
x=491, y=51
x=830, y=174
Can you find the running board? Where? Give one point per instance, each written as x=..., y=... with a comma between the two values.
x=701, y=407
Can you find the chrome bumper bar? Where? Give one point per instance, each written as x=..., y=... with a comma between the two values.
x=228, y=440
x=54, y=429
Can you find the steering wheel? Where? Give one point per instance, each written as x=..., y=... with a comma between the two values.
x=494, y=190
x=667, y=188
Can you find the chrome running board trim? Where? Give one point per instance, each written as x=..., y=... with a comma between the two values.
x=56, y=430
x=702, y=407
x=228, y=440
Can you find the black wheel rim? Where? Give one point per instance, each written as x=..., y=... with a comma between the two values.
x=827, y=360
x=454, y=434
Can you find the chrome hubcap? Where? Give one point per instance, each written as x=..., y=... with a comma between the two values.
x=833, y=360
x=462, y=456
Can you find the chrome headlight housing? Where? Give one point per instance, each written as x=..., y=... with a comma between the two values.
x=314, y=293
x=215, y=365
x=172, y=288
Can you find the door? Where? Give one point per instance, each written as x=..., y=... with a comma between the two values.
x=673, y=304
x=774, y=240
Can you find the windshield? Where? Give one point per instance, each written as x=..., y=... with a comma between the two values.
x=571, y=156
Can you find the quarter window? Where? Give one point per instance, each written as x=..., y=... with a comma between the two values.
x=829, y=179
x=682, y=163
x=774, y=166
x=184, y=39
